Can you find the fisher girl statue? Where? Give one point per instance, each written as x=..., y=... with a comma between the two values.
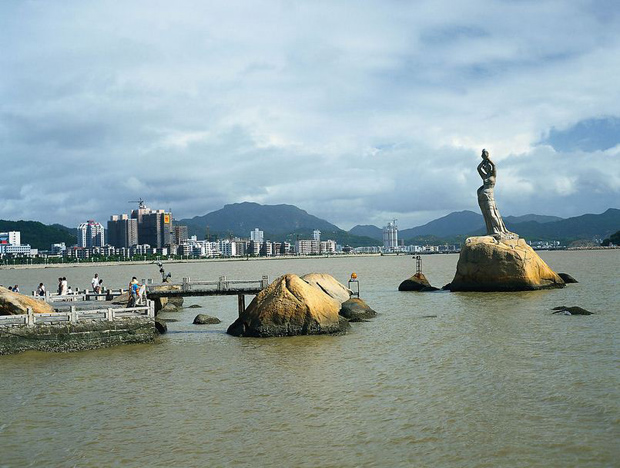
x=492, y=219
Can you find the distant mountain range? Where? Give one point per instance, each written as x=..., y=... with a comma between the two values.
x=278, y=222
x=458, y=223
x=241, y=218
x=585, y=226
x=289, y=223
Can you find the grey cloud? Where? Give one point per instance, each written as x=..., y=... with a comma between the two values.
x=353, y=112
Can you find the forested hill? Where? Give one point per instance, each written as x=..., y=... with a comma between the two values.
x=585, y=226
x=241, y=218
x=38, y=235
x=278, y=222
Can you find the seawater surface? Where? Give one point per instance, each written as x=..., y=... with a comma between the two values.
x=437, y=379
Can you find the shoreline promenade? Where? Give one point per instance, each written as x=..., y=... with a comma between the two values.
x=245, y=259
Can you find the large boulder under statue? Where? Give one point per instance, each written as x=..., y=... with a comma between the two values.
x=12, y=303
x=290, y=306
x=488, y=264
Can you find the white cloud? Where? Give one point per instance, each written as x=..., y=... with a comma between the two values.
x=356, y=112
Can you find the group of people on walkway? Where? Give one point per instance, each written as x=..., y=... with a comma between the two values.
x=137, y=291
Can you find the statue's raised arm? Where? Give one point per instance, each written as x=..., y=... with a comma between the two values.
x=486, y=199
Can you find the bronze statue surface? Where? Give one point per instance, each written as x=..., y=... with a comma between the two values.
x=486, y=200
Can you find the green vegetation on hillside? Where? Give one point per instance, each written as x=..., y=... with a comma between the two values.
x=280, y=223
x=435, y=240
x=38, y=235
x=613, y=239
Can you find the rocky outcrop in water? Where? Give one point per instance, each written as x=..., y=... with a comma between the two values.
x=204, y=319
x=486, y=264
x=329, y=285
x=290, y=306
x=168, y=304
x=567, y=278
x=417, y=282
x=161, y=326
x=12, y=303
x=572, y=310
x=356, y=310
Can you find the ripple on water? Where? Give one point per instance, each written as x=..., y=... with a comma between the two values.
x=490, y=380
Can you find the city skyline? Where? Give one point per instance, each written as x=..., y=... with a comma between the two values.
x=358, y=114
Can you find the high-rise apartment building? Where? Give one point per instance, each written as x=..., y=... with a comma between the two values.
x=122, y=231
x=266, y=249
x=307, y=247
x=91, y=234
x=257, y=236
x=154, y=226
x=390, y=236
x=179, y=234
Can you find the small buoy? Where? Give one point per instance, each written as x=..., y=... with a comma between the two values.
x=353, y=276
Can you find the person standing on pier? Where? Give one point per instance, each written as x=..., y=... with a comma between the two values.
x=95, y=283
x=64, y=286
x=134, y=287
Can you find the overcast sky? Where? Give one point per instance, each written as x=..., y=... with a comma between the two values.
x=356, y=111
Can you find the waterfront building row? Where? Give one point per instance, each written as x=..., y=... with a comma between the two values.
x=193, y=247
x=410, y=249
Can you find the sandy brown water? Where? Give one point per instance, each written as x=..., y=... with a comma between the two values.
x=437, y=379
